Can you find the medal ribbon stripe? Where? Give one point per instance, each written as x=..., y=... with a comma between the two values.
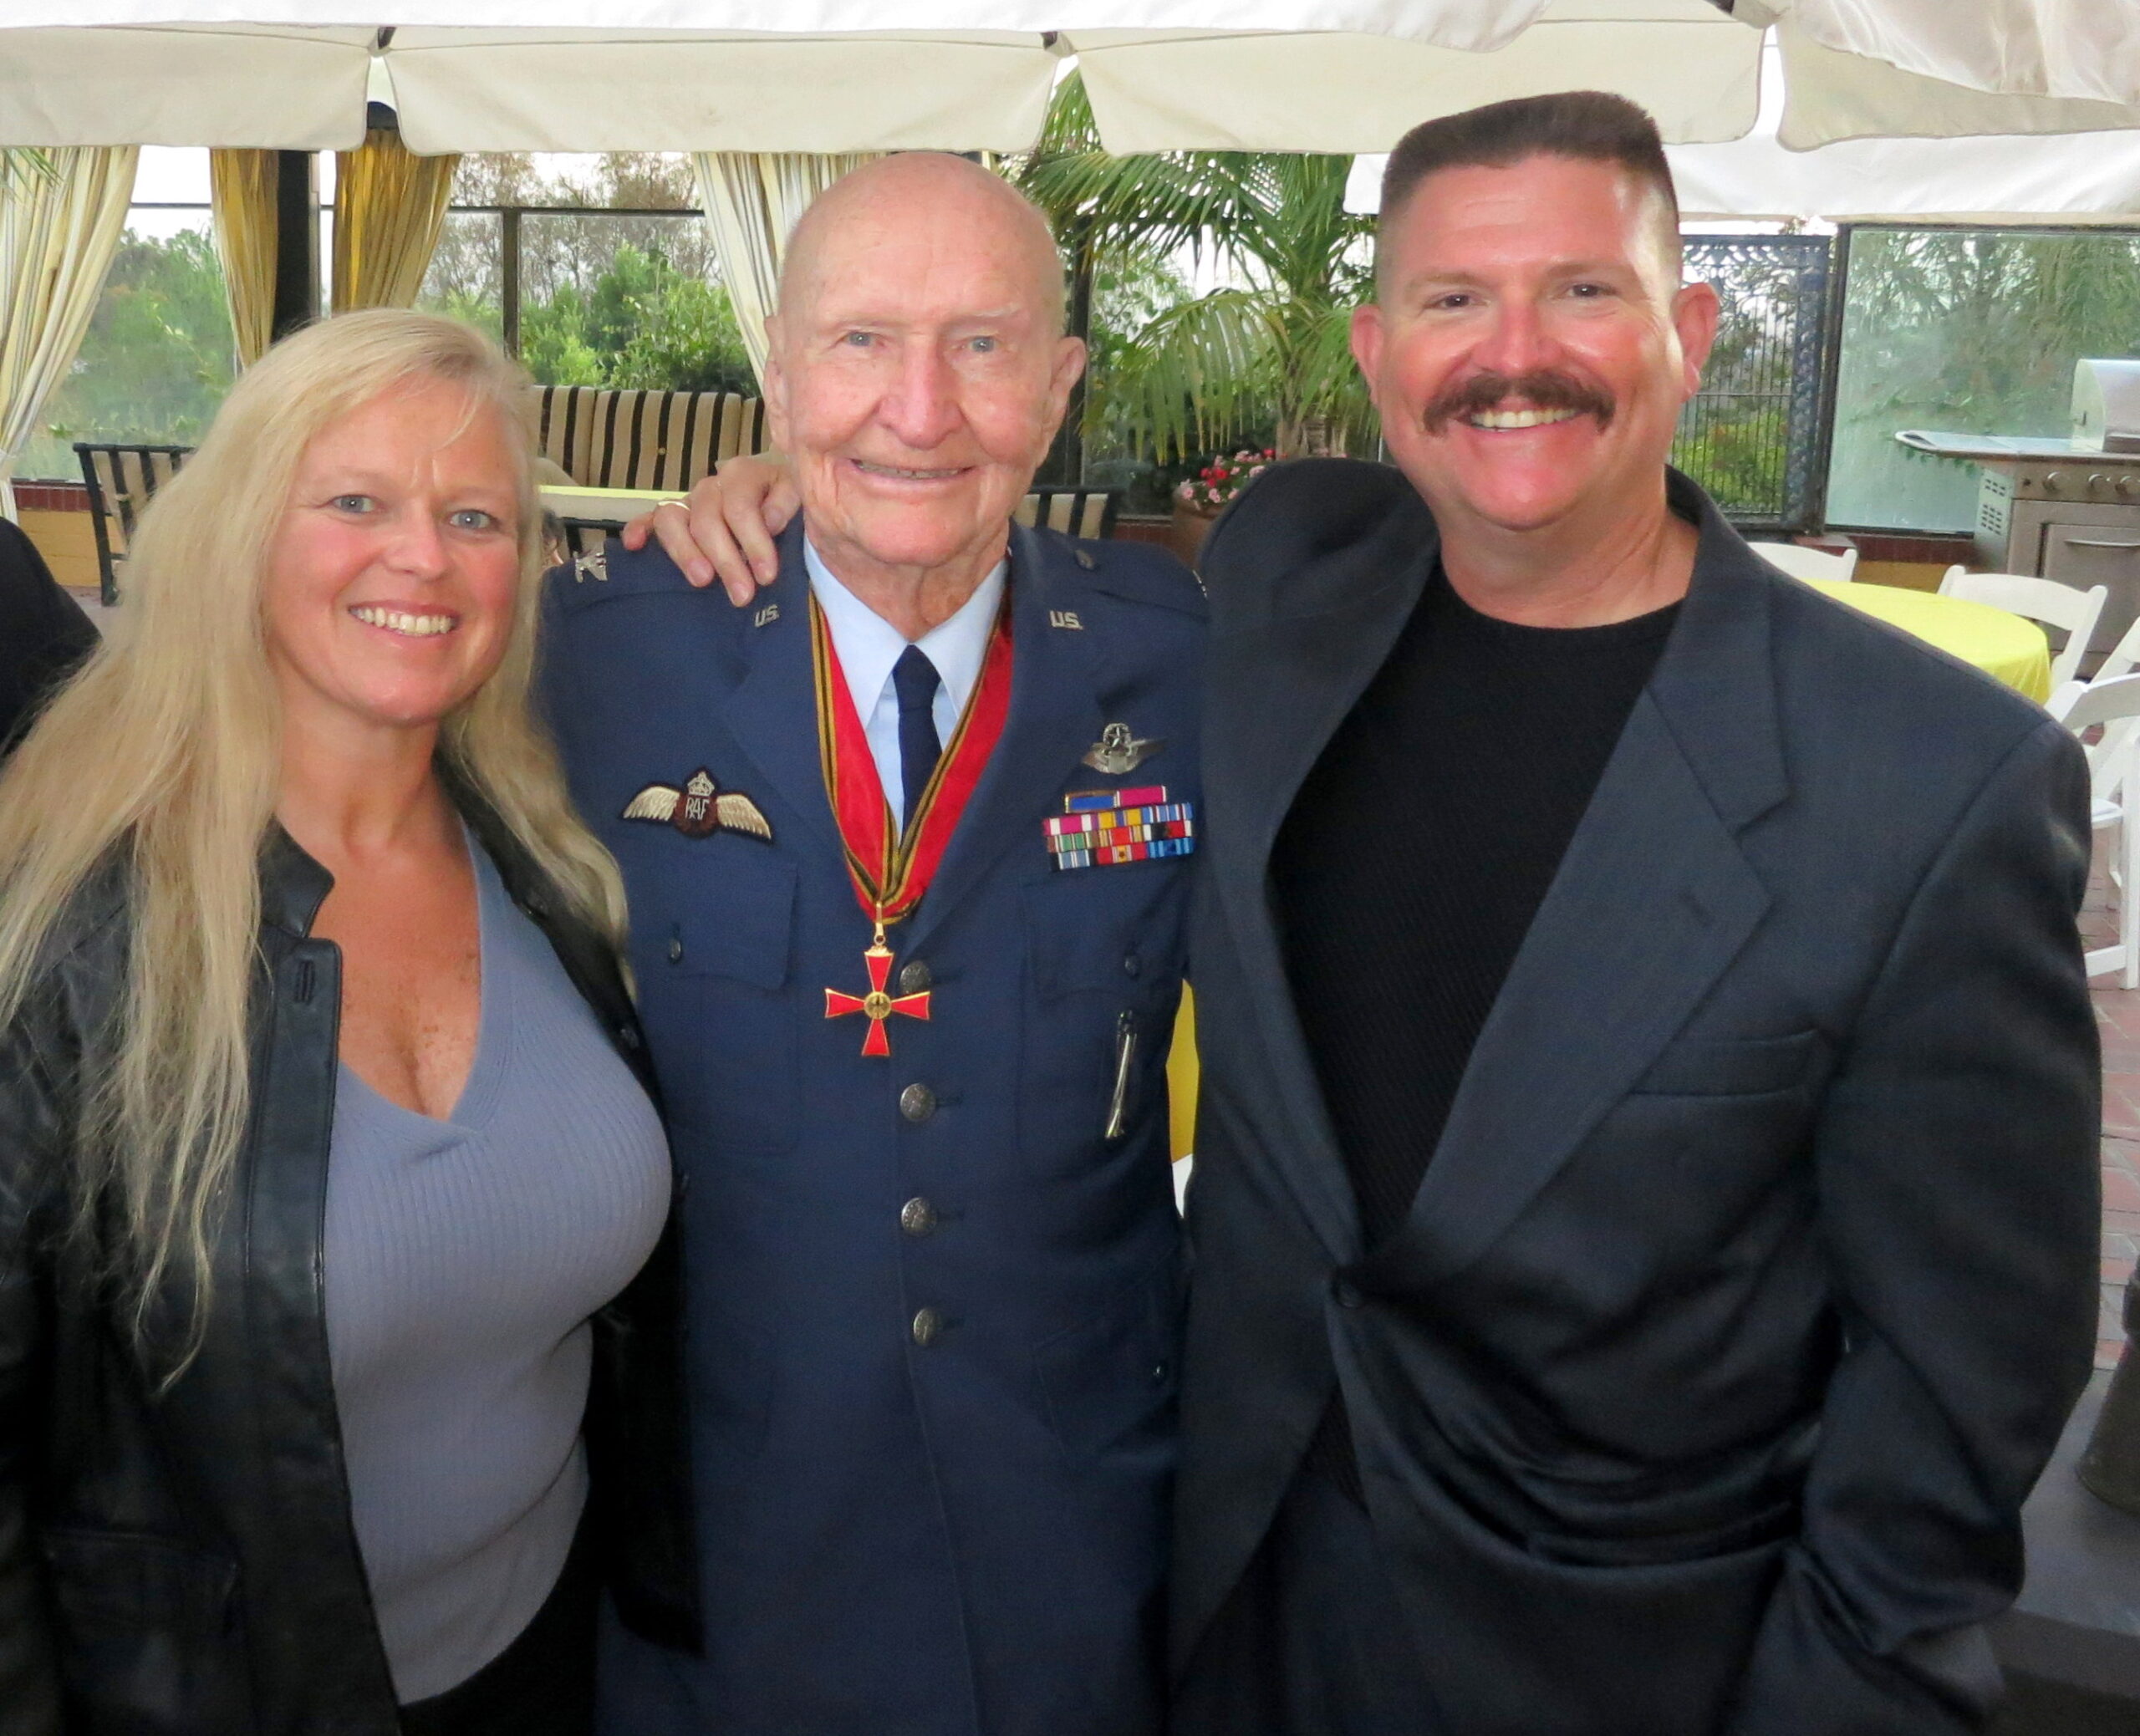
x=1102, y=827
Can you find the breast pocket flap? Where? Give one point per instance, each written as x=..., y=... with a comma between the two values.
x=740, y=923
x=1731, y=1066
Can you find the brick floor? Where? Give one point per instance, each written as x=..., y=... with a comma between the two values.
x=2118, y=1015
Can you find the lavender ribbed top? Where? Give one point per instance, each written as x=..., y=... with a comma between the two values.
x=463, y=1258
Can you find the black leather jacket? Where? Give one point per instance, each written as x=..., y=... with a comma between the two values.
x=183, y=1561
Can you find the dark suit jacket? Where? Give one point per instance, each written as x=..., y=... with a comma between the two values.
x=963, y=1533
x=1754, y=1272
x=44, y=632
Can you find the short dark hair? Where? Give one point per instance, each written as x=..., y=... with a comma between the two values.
x=1589, y=125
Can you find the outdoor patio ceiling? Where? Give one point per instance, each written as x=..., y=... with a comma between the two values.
x=823, y=75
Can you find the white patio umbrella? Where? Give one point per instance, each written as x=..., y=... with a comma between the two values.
x=824, y=75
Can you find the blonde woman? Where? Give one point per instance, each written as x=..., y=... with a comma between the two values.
x=336, y=1285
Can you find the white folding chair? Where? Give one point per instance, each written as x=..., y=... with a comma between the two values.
x=2116, y=803
x=1802, y=562
x=2040, y=599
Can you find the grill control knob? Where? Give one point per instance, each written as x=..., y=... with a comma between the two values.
x=2054, y=481
x=2099, y=483
x=2128, y=485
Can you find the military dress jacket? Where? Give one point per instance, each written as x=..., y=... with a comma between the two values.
x=1754, y=1271
x=934, y=1305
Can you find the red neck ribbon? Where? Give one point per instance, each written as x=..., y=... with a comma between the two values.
x=891, y=869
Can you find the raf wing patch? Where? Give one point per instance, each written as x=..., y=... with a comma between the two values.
x=698, y=809
x=1102, y=827
x=594, y=564
x=1118, y=753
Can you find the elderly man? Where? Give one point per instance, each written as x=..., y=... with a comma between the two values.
x=907, y=844
x=1646, y=1211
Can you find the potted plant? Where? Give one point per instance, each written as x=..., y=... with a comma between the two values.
x=1201, y=498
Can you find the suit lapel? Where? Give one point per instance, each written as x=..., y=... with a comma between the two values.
x=771, y=712
x=1054, y=718
x=1653, y=901
x=1279, y=690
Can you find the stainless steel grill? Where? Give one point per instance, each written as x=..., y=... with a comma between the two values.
x=2046, y=509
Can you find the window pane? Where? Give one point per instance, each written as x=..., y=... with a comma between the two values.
x=626, y=301
x=1967, y=332
x=158, y=356
x=466, y=277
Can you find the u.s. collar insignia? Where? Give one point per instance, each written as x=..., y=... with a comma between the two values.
x=594, y=564
x=1118, y=753
x=698, y=809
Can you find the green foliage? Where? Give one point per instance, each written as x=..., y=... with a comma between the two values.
x=639, y=321
x=157, y=358
x=1269, y=347
x=1734, y=438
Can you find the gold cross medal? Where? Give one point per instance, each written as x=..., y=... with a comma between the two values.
x=878, y=1004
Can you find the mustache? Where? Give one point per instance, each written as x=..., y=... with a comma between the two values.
x=1542, y=389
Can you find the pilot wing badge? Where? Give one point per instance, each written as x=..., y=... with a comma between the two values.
x=1118, y=753
x=700, y=809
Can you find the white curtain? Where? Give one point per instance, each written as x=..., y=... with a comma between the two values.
x=751, y=200
x=57, y=234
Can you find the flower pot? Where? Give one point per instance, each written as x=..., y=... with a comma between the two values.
x=1192, y=524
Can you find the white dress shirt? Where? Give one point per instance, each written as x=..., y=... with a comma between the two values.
x=867, y=645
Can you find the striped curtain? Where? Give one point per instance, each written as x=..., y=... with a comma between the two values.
x=242, y=189
x=752, y=199
x=60, y=222
x=390, y=206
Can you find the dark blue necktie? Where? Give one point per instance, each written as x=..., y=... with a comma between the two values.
x=915, y=680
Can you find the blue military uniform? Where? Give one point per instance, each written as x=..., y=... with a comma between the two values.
x=932, y=1307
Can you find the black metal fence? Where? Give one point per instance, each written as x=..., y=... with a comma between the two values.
x=1755, y=435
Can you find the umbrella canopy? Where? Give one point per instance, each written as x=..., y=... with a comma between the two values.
x=2087, y=50
x=2064, y=178
x=835, y=75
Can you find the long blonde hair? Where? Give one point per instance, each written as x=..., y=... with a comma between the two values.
x=164, y=752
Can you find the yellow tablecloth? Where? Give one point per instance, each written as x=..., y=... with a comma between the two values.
x=2003, y=645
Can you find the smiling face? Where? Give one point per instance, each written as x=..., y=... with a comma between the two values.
x=391, y=579
x=918, y=371
x=1531, y=345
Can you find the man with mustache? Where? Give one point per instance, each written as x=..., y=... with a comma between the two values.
x=1646, y=1202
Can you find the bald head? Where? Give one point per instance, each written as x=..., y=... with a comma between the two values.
x=957, y=202
x=917, y=370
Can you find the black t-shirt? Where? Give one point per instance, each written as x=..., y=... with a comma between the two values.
x=1412, y=862
x=1417, y=851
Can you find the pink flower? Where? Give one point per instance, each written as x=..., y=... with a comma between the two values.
x=1213, y=494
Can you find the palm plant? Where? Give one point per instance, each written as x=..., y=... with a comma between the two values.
x=1220, y=366
x=20, y=164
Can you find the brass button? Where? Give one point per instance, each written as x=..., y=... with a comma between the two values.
x=917, y=1217
x=927, y=1326
x=914, y=977
x=917, y=1102
x=675, y=949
